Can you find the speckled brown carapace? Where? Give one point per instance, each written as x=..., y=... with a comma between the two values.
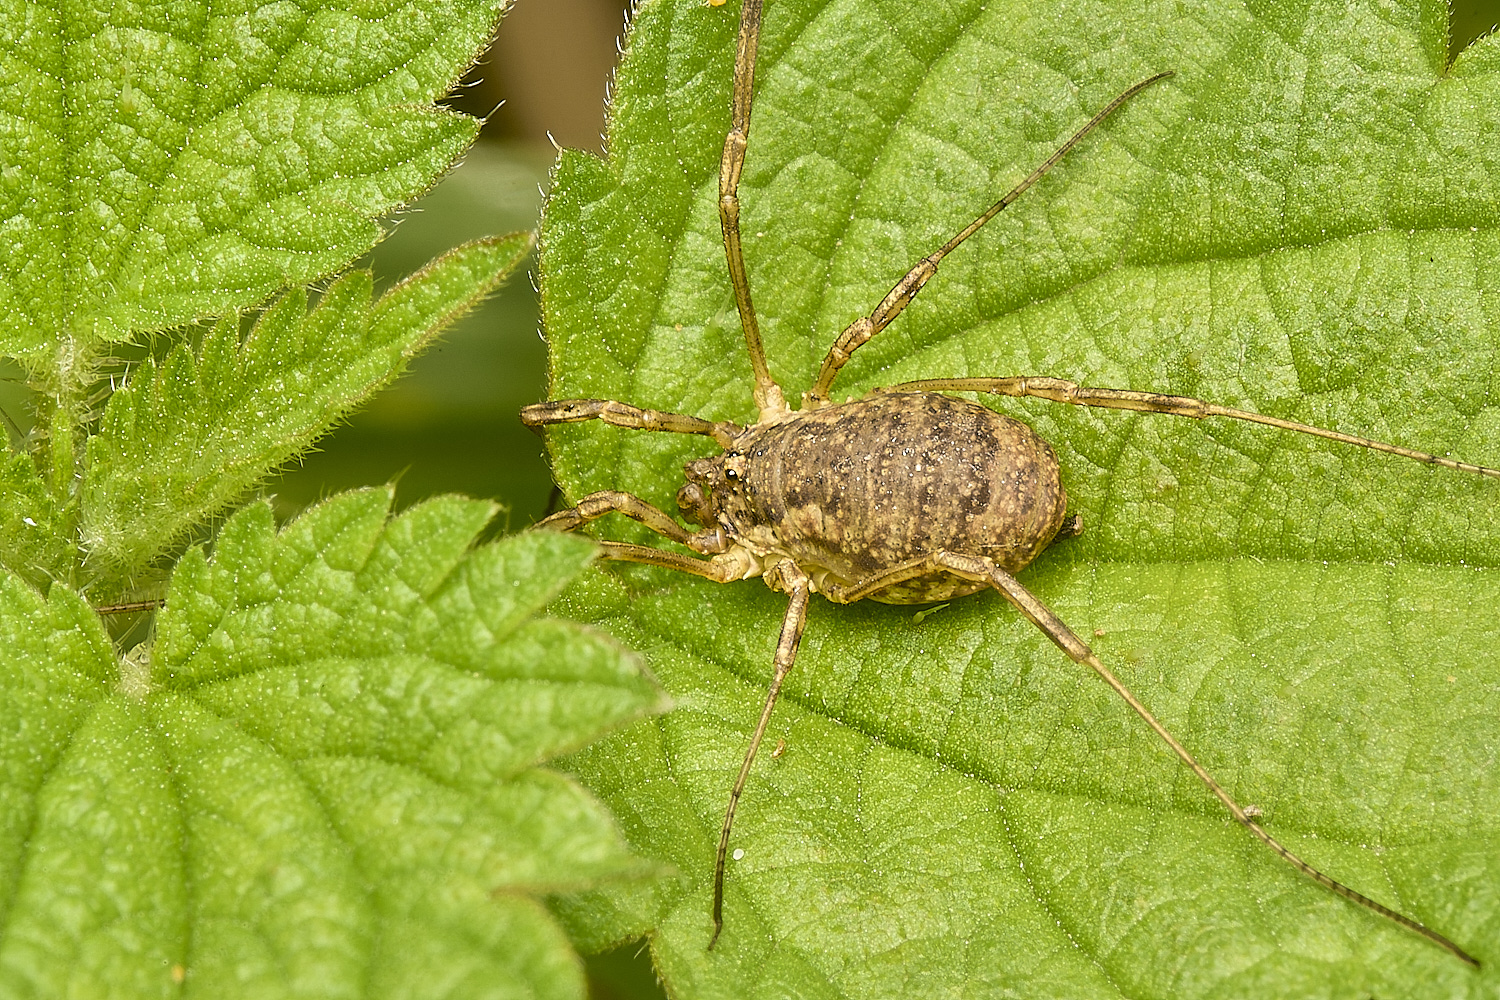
x=849, y=492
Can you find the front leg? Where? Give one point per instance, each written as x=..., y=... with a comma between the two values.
x=573, y=411
x=596, y=505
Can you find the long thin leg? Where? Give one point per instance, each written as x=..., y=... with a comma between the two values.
x=574, y=411
x=767, y=393
x=719, y=570
x=131, y=606
x=798, y=587
x=596, y=505
x=1062, y=391
x=979, y=568
x=861, y=330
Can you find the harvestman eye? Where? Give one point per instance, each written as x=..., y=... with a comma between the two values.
x=967, y=497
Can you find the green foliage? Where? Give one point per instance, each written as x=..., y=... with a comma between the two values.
x=137, y=201
x=182, y=440
x=321, y=779
x=36, y=533
x=165, y=163
x=1305, y=222
x=321, y=773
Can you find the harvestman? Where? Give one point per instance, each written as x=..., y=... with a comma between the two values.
x=904, y=496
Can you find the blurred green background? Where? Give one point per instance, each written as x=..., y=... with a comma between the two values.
x=450, y=425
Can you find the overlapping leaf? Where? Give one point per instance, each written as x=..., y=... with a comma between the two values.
x=36, y=536
x=180, y=441
x=322, y=780
x=1304, y=221
x=165, y=162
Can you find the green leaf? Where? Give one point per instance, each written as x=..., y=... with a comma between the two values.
x=1304, y=222
x=322, y=779
x=166, y=162
x=182, y=440
x=36, y=539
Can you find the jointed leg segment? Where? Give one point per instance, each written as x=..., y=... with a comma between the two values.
x=861, y=330
x=712, y=570
x=798, y=588
x=768, y=395
x=1062, y=391
x=596, y=505
x=575, y=411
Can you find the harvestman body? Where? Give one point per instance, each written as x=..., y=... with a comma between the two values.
x=905, y=496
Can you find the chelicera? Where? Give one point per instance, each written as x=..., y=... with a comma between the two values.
x=907, y=495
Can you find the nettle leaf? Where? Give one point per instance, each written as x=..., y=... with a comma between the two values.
x=324, y=778
x=36, y=540
x=166, y=162
x=1304, y=222
x=181, y=440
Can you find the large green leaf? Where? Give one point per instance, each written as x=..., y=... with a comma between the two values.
x=164, y=161
x=1305, y=222
x=323, y=777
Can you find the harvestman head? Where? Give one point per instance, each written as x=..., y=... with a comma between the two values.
x=913, y=522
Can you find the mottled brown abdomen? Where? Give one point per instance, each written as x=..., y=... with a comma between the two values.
x=868, y=485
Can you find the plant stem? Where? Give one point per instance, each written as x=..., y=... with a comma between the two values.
x=62, y=388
